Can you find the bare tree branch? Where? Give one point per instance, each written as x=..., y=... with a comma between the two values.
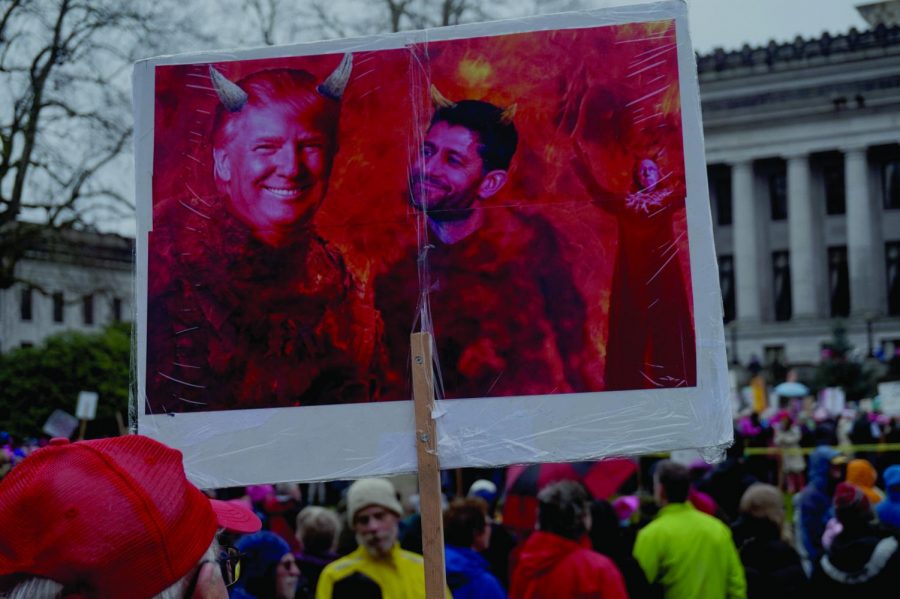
x=65, y=120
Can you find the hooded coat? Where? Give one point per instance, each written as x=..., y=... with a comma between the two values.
x=889, y=510
x=468, y=576
x=262, y=553
x=771, y=566
x=552, y=566
x=812, y=507
x=862, y=474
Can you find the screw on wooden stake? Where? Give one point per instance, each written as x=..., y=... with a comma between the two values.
x=429, y=467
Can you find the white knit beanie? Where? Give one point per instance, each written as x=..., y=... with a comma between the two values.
x=372, y=491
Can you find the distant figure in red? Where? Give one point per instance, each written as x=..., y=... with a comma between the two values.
x=248, y=306
x=651, y=333
x=491, y=282
x=556, y=560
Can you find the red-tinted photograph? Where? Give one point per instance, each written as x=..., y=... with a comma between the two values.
x=521, y=197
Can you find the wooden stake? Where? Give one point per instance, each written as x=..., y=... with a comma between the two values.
x=82, y=429
x=123, y=430
x=429, y=467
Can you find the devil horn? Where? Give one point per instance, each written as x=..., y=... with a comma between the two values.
x=333, y=87
x=230, y=94
x=438, y=99
x=508, y=113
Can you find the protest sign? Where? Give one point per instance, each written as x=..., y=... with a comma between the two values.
x=60, y=424
x=530, y=192
x=86, y=409
x=833, y=400
x=889, y=395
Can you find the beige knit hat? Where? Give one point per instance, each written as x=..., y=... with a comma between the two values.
x=372, y=491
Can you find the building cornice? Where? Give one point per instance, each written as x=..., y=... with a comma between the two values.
x=83, y=248
x=801, y=53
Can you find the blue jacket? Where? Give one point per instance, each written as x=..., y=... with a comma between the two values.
x=468, y=576
x=812, y=507
x=889, y=510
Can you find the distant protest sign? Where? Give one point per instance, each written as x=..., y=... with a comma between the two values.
x=86, y=409
x=531, y=192
x=889, y=395
x=60, y=424
x=833, y=399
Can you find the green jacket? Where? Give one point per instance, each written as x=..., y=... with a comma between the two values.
x=691, y=555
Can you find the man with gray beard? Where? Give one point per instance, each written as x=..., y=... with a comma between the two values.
x=373, y=513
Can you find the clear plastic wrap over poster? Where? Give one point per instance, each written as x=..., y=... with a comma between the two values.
x=532, y=192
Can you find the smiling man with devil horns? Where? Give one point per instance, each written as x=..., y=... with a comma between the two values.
x=248, y=306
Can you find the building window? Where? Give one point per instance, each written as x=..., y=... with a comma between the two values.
x=59, y=307
x=781, y=272
x=892, y=256
x=776, y=361
x=890, y=184
x=117, y=309
x=838, y=281
x=773, y=354
x=26, y=300
x=833, y=177
x=726, y=283
x=720, y=191
x=778, y=194
x=87, y=309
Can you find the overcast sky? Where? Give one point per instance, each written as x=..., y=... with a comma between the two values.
x=732, y=23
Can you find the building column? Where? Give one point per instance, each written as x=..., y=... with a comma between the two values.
x=805, y=241
x=746, y=243
x=862, y=258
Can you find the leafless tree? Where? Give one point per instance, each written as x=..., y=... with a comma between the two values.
x=265, y=13
x=285, y=21
x=65, y=121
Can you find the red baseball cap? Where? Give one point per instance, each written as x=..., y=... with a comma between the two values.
x=108, y=518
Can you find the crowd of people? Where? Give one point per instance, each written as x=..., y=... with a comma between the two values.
x=117, y=517
x=696, y=531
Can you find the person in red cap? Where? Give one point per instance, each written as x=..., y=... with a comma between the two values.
x=113, y=518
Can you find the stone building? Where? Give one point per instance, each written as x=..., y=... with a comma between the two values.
x=803, y=155
x=82, y=281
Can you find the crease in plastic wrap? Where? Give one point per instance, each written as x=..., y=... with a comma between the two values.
x=531, y=192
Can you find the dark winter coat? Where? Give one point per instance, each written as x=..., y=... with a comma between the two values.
x=771, y=565
x=865, y=562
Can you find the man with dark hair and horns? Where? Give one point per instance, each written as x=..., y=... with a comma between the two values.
x=248, y=306
x=495, y=288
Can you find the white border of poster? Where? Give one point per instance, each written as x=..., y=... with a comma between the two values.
x=238, y=447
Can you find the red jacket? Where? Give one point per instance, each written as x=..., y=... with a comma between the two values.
x=552, y=566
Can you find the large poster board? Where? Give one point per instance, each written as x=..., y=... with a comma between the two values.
x=532, y=192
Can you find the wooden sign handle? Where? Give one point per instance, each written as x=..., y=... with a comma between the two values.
x=429, y=467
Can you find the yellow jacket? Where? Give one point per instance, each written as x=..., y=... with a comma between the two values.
x=401, y=575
